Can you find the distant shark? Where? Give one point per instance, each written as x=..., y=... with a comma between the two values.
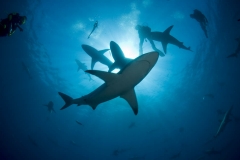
x=235, y=54
x=224, y=121
x=165, y=38
x=176, y=155
x=83, y=67
x=212, y=152
x=121, y=84
x=32, y=141
x=50, y=106
x=26, y=69
x=79, y=123
x=120, y=60
x=97, y=56
x=209, y=95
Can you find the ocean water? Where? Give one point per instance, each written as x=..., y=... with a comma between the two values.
x=181, y=102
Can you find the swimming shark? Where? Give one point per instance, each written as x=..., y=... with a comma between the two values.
x=212, y=152
x=165, y=38
x=50, y=106
x=32, y=141
x=83, y=67
x=120, y=60
x=177, y=155
x=224, y=121
x=235, y=54
x=26, y=69
x=97, y=56
x=121, y=84
x=79, y=123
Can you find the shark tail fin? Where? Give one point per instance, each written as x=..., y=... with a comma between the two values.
x=68, y=100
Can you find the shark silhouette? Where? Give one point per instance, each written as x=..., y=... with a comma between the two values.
x=121, y=84
x=235, y=54
x=79, y=123
x=97, y=56
x=50, y=106
x=120, y=60
x=165, y=38
x=26, y=69
x=224, y=121
x=83, y=67
x=212, y=152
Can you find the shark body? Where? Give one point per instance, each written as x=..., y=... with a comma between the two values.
x=50, y=107
x=224, y=121
x=165, y=38
x=97, y=56
x=121, y=84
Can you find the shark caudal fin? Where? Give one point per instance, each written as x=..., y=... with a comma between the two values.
x=68, y=100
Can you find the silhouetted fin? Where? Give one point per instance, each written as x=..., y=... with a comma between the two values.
x=94, y=61
x=168, y=30
x=233, y=55
x=112, y=67
x=164, y=45
x=103, y=51
x=131, y=98
x=105, y=76
x=67, y=99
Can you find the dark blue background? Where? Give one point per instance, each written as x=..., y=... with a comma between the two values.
x=173, y=117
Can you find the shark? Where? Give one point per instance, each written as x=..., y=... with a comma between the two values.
x=212, y=151
x=224, y=121
x=26, y=69
x=117, y=84
x=79, y=123
x=165, y=38
x=97, y=56
x=50, y=107
x=82, y=66
x=120, y=60
x=235, y=54
x=177, y=155
x=33, y=142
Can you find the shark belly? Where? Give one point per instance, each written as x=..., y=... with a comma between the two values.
x=126, y=81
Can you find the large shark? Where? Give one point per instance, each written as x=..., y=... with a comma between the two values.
x=121, y=84
x=97, y=56
x=165, y=38
x=120, y=60
x=50, y=106
x=235, y=54
x=224, y=121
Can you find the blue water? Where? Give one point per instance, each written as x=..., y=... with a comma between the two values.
x=174, y=114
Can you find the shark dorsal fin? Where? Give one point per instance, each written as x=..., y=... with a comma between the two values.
x=105, y=76
x=94, y=61
x=103, y=51
x=131, y=98
x=167, y=31
x=112, y=67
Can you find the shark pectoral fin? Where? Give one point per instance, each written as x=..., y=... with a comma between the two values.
x=94, y=61
x=167, y=31
x=103, y=51
x=93, y=105
x=112, y=67
x=131, y=98
x=78, y=68
x=164, y=45
x=105, y=76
